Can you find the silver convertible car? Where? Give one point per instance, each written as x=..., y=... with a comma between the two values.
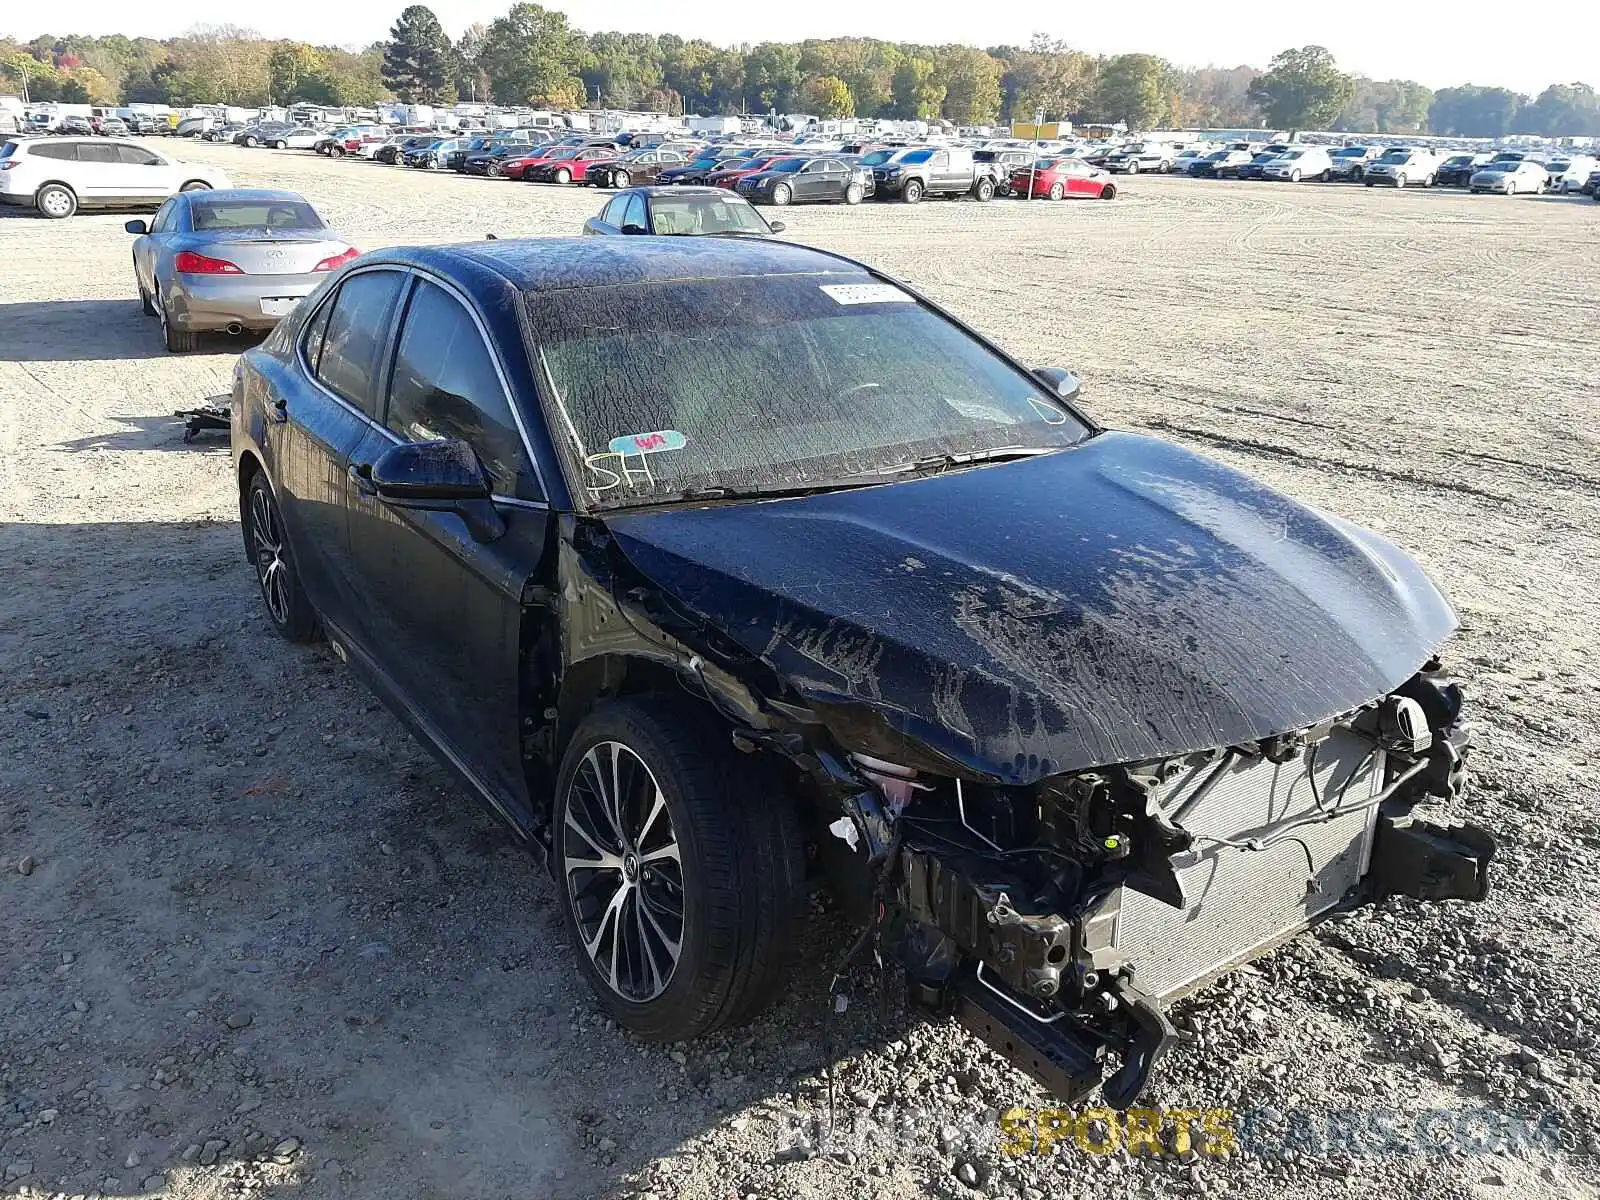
x=230, y=260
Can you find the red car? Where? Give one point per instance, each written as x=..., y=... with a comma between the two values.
x=729, y=177
x=569, y=165
x=517, y=168
x=1061, y=177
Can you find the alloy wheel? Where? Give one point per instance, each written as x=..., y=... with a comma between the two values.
x=624, y=873
x=271, y=569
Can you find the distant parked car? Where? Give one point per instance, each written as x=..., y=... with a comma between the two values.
x=1523, y=176
x=824, y=180
x=224, y=132
x=260, y=134
x=1152, y=156
x=76, y=126
x=697, y=168
x=1570, y=174
x=392, y=151
x=1004, y=163
x=297, y=137
x=1220, y=164
x=1186, y=159
x=231, y=260
x=1350, y=162
x=681, y=210
x=113, y=127
x=935, y=171
x=58, y=175
x=1400, y=166
x=570, y=166
x=637, y=166
x=728, y=176
x=1256, y=168
x=1458, y=169
x=1058, y=178
x=431, y=155
x=1591, y=186
x=1300, y=162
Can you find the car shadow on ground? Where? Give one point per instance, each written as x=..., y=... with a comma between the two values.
x=264, y=936
x=153, y=433
x=93, y=330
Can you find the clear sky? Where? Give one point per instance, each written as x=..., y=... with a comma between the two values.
x=1525, y=45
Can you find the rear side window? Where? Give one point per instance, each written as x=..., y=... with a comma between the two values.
x=357, y=330
x=8, y=149
x=445, y=386
x=634, y=214
x=66, y=151
x=613, y=212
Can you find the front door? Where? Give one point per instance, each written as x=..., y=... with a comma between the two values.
x=441, y=611
x=324, y=421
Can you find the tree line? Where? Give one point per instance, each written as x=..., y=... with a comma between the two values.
x=532, y=55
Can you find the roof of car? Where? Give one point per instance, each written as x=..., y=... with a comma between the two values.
x=666, y=189
x=269, y=195
x=551, y=264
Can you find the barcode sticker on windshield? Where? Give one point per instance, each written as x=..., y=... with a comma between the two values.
x=865, y=293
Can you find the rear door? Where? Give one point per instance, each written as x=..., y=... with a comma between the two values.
x=340, y=349
x=446, y=610
x=99, y=173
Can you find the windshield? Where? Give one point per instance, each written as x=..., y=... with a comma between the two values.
x=877, y=158
x=1507, y=157
x=705, y=214
x=1219, y=155
x=1350, y=152
x=253, y=214
x=769, y=384
x=786, y=165
x=1458, y=160
x=1395, y=156
x=1291, y=154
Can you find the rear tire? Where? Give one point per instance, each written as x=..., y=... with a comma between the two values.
x=179, y=341
x=196, y=185
x=288, y=608
x=723, y=871
x=56, y=201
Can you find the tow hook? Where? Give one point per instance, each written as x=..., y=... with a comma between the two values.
x=1153, y=1033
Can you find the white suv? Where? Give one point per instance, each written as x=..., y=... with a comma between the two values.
x=59, y=175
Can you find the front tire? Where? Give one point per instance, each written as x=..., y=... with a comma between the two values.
x=781, y=195
x=56, y=201
x=678, y=868
x=196, y=185
x=288, y=607
x=1109, y=192
x=853, y=194
x=280, y=145
x=251, y=142
x=1133, y=168
x=1057, y=190
x=1294, y=176
x=620, y=179
x=563, y=176
x=984, y=192
x=911, y=193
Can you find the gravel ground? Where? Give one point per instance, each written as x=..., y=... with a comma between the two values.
x=255, y=942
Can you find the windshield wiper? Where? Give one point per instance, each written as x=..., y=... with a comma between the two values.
x=949, y=460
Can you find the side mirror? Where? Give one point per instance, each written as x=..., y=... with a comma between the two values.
x=776, y=226
x=633, y=227
x=1061, y=381
x=137, y=227
x=440, y=476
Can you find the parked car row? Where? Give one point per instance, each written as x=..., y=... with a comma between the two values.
x=1508, y=171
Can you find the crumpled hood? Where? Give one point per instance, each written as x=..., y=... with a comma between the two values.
x=1123, y=600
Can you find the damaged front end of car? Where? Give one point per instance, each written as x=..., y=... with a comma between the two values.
x=1059, y=921
x=1069, y=766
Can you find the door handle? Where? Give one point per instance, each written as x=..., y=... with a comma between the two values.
x=360, y=474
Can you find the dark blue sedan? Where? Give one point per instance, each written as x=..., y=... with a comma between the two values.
x=712, y=563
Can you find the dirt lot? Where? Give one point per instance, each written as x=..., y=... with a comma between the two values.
x=254, y=942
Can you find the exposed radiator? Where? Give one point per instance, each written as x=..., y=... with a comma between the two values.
x=1239, y=901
